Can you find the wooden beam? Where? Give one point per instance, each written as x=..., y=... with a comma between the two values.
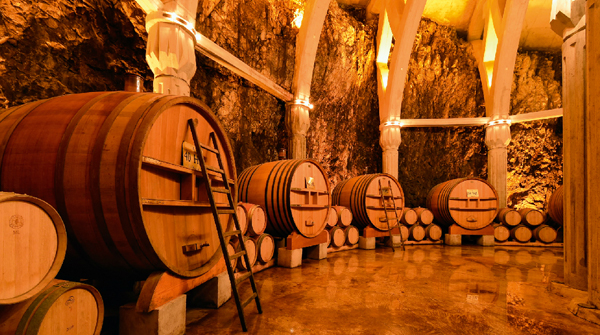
x=593, y=148
x=480, y=121
x=150, y=6
x=234, y=64
x=477, y=22
x=307, y=42
x=535, y=116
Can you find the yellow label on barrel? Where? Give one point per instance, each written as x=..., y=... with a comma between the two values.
x=473, y=193
x=189, y=157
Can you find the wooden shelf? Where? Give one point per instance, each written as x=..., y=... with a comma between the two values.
x=382, y=209
x=299, y=206
x=475, y=199
x=472, y=209
x=377, y=196
x=307, y=190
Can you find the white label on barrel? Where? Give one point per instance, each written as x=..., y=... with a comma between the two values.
x=472, y=298
x=189, y=158
x=473, y=193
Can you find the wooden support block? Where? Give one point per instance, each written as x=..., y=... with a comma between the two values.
x=297, y=241
x=456, y=229
x=162, y=287
x=289, y=258
x=366, y=243
x=393, y=242
x=529, y=244
x=317, y=252
x=452, y=239
x=168, y=319
x=372, y=232
x=342, y=248
x=486, y=240
x=258, y=266
x=212, y=294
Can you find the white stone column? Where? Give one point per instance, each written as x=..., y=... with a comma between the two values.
x=497, y=138
x=297, y=122
x=170, y=51
x=389, y=141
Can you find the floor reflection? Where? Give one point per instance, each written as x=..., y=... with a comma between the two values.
x=422, y=290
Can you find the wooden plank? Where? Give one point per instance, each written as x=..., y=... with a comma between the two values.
x=574, y=124
x=452, y=122
x=534, y=116
x=528, y=244
x=162, y=287
x=593, y=147
x=458, y=230
x=208, y=48
x=307, y=42
x=477, y=22
x=296, y=241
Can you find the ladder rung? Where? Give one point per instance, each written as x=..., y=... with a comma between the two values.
x=390, y=219
x=243, y=277
x=231, y=233
x=220, y=190
x=211, y=149
x=214, y=169
x=226, y=211
x=236, y=255
x=249, y=300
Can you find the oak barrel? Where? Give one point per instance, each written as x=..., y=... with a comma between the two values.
x=509, y=217
x=344, y=216
x=362, y=196
x=544, y=234
x=33, y=242
x=521, y=233
x=555, y=206
x=352, y=235
x=60, y=308
x=433, y=232
x=409, y=216
x=252, y=253
x=265, y=248
x=338, y=236
x=417, y=232
x=242, y=218
x=532, y=217
x=501, y=233
x=294, y=194
x=113, y=165
x=471, y=203
x=255, y=219
x=424, y=215
x=332, y=218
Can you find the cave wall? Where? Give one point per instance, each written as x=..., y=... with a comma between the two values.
x=50, y=48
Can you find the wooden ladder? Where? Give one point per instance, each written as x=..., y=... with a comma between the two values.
x=387, y=192
x=231, y=209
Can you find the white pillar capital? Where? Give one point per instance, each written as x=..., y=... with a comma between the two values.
x=497, y=132
x=390, y=140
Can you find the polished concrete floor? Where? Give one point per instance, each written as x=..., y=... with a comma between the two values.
x=423, y=290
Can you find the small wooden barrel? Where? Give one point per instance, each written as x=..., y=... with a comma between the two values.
x=433, y=232
x=417, y=232
x=471, y=203
x=352, y=235
x=521, y=233
x=111, y=165
x=60, y=308
x=501, y=233
x=424, y=215
x=255, y=219
x=231, y=249
x=555, y=206
x=532, y=217
x=251, y=249
x=545, y=234
x=338, y=236
x=344, y=216
x=404, y=231
x=362, y=196
x=409, y=217
x=294, y=194
x=265, y=246
x=332, y=218
x=509, y=217
x=242, y=218
x=33, y=242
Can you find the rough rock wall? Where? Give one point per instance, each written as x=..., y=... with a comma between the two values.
x=535, y=159
x=50, y=48
x=443, y=82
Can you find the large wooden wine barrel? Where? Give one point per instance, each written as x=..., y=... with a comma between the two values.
x=60, y=308
x=362, y=196
x=555, y=206
x=111, y=164
x=293, y=193
x=471, y=203
x=33, y=242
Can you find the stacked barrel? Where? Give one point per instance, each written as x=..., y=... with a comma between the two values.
x=33, y=246
x=340, y=230
x=523, y=226
x=259, y=245
x=417, y=225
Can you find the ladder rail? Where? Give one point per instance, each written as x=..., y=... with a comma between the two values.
x=215, y=211
x=395, y=210
x=396, y=213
